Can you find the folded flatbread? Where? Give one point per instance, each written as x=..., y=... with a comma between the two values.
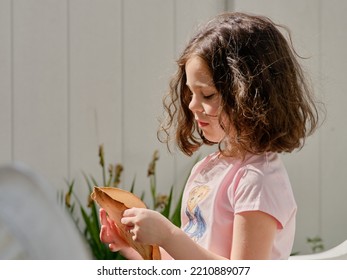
x=115, y=201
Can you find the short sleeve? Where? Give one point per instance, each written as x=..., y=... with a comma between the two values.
x=270, y=193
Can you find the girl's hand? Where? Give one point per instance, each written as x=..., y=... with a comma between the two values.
x=147, y=226
x=109, y=233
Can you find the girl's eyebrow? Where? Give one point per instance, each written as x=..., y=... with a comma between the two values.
x=200, y=85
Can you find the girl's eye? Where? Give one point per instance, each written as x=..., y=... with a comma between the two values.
x=209, y=96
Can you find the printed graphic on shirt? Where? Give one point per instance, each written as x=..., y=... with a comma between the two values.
x=196, y=226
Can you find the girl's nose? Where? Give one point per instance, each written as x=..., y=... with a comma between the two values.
x=195, y=104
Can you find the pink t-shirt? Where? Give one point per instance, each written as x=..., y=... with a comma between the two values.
x=220, y=187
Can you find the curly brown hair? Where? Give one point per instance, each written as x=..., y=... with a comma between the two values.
x=265, y=95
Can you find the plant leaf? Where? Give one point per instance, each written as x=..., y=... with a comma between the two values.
x=167, y=208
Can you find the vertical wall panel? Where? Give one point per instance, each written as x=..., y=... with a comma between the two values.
x=40, y=111
x=5, y=82
x=303, y=166
x=191, y=14
x=334, y=155
x=148, y=46
x=95, y=92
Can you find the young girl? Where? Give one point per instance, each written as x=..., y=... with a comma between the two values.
x=239, y=86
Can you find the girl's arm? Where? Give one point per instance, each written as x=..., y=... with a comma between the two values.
x=254, y=232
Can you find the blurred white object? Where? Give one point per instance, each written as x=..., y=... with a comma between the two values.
x=32, y=224
x=338, y=252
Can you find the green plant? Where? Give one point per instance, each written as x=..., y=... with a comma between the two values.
x=316, y=244
x=90, y=227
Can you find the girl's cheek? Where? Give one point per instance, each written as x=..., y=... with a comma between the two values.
x=212, y=111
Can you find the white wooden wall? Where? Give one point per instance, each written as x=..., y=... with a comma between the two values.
x=78, y=73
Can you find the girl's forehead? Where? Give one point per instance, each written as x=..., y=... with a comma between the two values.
x=198, y=73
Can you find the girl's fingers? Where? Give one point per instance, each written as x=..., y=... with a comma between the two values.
x=104, y=236
x=130, y=212
x=103, y=216
x=129, y=216
x=108, y=230
x=128, y=222
x=106, y=221
x=112, y=225
x=113, y=247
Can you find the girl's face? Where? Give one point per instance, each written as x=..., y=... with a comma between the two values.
x=205, y=99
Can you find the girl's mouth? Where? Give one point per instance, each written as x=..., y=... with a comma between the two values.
x=202, y=124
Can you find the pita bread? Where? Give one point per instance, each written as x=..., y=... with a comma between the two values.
x=115, y=201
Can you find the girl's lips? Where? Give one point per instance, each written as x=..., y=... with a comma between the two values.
x=202, y=124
